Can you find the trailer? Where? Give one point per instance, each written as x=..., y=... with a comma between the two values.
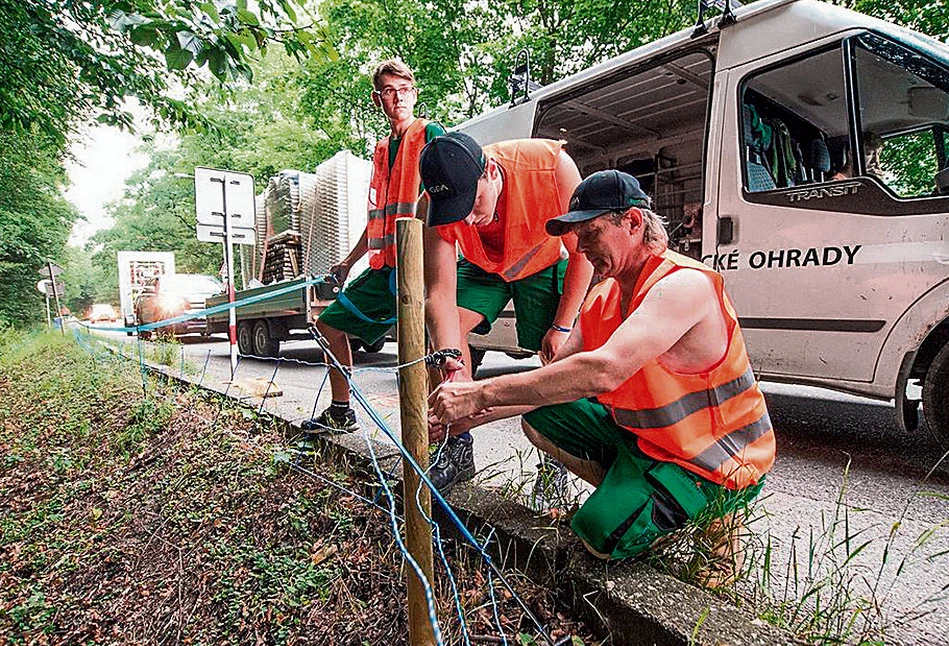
x=305, y=223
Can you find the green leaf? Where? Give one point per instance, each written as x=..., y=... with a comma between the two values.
x=177, y=58
x=248, y=17
x=189, y=41
x=145, y=36
x=210, y=10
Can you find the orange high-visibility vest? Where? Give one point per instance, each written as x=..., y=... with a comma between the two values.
x=531, y=197
x=393, y=192
x=713, y=423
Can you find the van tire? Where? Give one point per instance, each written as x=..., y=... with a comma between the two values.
x=245, y=338
x=936, y=397
x=265, y=345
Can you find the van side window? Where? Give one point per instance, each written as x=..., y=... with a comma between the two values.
x=903, y=101
x=795, y=124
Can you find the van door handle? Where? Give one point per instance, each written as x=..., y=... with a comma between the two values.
x=726, y=230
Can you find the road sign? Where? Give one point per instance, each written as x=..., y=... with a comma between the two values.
x=214, y=189
x=45, y=286
x=208, y=233
x=226, y=211
x=56, y=269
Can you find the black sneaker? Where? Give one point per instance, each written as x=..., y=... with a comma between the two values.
x=330, y=422
x=455, y=464
x=551, y=488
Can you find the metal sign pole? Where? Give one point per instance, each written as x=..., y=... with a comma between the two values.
x=49, y=320
x=229, y=262
x=59, y=308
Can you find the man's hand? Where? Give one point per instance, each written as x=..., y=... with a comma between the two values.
x=340, y=272
x=455, y=400
x=551, y=344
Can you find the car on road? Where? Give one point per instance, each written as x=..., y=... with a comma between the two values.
x=169, y=296
x=102, y=312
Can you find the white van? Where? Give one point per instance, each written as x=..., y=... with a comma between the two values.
x=803, y=150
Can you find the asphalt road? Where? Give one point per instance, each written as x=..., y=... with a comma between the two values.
x=845, y=476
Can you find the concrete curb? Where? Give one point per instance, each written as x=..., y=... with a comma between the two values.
x=625, y=603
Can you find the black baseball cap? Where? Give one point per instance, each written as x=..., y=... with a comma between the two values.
x=450, y=166
x=601, y=192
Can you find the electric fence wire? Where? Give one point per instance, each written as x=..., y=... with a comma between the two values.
x=380, y=423
x=436, y=528
x=407, y=456
x=212, y=425
x=494, y=601
x=396, y=534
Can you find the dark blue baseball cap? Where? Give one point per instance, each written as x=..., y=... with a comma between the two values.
x=601, y=192
x=451, y=166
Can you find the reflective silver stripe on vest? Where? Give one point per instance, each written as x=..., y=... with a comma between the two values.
x=686, y=405
x=383, y=242
x=732, y=444
x=376, y=214
x=406, y=209
x=517, y=267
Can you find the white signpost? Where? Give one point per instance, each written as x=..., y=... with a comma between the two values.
x=225, y=211
x=54, y=287
x=47, y=288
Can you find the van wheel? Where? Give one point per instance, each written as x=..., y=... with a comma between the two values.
x=936, y=397
x=264, y=343
x=245, y=338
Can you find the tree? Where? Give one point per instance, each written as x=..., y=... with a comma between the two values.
x=63, y=61
x=35, y=221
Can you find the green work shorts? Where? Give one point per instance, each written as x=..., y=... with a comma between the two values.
x=640, y=498
x=372, y=295
x=536, y=299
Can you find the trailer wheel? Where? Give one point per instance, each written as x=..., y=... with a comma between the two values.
x=245, y=338
x=936, y=397
x=264, y=343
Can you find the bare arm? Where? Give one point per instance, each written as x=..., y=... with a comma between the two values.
x=437, y=431
x=672, y=308
x=579, y=270
x=441, y=281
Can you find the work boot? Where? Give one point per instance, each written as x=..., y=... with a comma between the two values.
x=330, y=422
x=551, y=488
x=725, y=559
x=455, y=463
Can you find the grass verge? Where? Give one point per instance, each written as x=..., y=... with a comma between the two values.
x=159, y=515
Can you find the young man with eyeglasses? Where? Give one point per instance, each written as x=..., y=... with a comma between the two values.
x=366, y=309
x=492, y=203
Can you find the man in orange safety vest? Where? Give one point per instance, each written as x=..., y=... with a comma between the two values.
x=652, y=398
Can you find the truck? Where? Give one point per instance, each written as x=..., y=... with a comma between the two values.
x=305, y=224
x=136, y=268
x=802, y=150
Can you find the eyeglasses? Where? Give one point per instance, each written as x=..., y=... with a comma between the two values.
x=389, y=93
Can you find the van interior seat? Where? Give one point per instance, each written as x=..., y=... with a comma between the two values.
x=818, y=159
x=757, y=135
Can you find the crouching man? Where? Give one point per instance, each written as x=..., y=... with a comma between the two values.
x=652, y=398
